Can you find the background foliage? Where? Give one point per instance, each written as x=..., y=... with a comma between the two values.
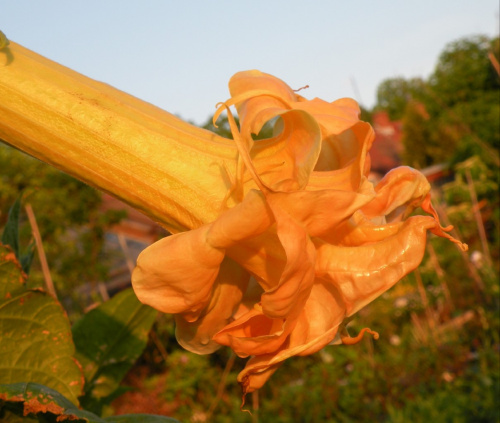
x=72, y=224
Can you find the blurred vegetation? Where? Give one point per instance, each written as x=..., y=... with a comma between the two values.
x=437, y=359
x=453, y=118
x=456, y=112
x=72, y=225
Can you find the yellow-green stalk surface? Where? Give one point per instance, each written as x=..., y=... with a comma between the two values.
x=173, y=171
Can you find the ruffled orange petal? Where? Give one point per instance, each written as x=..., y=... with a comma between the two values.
x=254, y=334
x=364, y=272
x=320, y=212
x=176, y=274
x=439, y=230
x=400, y=192
x=260, y=97
x=359, y=230
x=344, y=173
x=285, y=162
x=318, y=324
x=256, y=373
x=264, y=329
x=254, y=93
x=228, y=289
x=333, y=118
x=262, y=256
x=297, y=278
x=315, y=328
x=246, y=220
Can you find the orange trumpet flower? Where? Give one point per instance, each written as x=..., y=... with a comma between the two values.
x=309, y=243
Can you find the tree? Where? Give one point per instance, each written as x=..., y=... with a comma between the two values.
x=453, y=115
x=417, y=135
x=464, y=72
x=464, y=98
x=394, y=94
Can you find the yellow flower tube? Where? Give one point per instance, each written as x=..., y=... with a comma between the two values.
x=173, y=171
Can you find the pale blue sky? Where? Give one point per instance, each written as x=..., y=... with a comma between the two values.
x=179, y=55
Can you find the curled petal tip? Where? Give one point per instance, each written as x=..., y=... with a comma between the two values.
x=347, y=340
x=220, y=106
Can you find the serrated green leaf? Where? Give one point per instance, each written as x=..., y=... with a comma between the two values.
x=36, y=344
x=140, y=418
x=35, y=335
x=10, y=235
x=33, y=399
x=12, y=277
x=108, y=340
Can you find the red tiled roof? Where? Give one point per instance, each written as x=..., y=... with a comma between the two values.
x=387, y=147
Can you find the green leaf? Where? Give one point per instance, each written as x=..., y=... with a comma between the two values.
x=109, y=339
x=35, y=334
x=10, y=235
x=35, y=400
x=36, y=344
x=12, y=277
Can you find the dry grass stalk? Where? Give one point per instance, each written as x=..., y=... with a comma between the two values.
x=431, y=320
x=222, y=386
x=477, y=216
x=440, y=274
x=41, y=252
x=470, y=267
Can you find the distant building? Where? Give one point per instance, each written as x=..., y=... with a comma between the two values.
x=387, y=147
x=387, y=150
x=136, y=226
x=123, y=244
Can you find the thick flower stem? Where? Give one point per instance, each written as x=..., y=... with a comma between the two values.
x=173, y=171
